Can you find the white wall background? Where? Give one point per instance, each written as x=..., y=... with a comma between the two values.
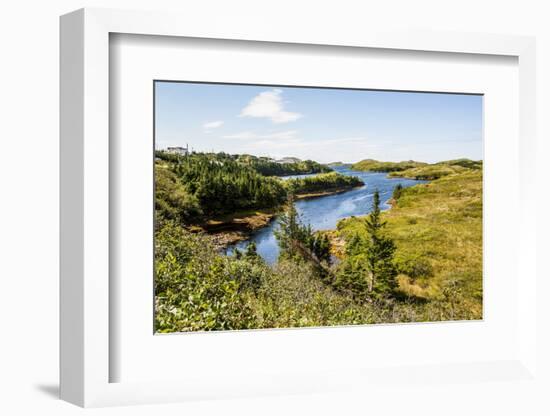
x=29, y=188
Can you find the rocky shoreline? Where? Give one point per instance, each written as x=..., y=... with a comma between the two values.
x=231, y=229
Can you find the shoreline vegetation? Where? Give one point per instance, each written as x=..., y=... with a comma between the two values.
x=250, y=198
x=419, y=261
x=320, y=185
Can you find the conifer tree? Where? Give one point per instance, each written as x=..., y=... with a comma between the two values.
x=289, y=230
x=379, y=253
x=321, y=247
x=295, y=239
x=353, y=275
x=397, y=191
x=251, y=250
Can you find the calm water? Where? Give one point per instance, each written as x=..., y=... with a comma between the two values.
x=324, y=212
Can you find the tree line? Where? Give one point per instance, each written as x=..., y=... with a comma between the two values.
x=321, y=182
x=188, y=187
x=192, y=187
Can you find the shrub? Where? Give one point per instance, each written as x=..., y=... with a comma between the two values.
x=196, y=289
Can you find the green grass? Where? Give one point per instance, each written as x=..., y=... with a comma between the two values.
x=437, y=228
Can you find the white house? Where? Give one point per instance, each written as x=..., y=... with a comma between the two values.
x=178, y=150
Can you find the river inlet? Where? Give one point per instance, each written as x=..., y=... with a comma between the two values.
x=323, y=213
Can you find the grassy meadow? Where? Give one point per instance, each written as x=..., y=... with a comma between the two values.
x=437, y=228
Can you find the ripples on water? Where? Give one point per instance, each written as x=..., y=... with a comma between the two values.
x=323, y=213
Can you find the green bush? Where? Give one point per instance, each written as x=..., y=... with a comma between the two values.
x=172, y=200
x=196, y=289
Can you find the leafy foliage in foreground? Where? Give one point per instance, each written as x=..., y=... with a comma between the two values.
x=172, y=199
x=198, y=289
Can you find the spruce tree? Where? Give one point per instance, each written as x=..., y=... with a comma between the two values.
x=379, y=253
x=293, y=237
x=288, y=231
x=397, y=191
x=321, y=247
x=251, y=250
x=353, y=275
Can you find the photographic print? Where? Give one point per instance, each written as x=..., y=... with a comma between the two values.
x=288, y=206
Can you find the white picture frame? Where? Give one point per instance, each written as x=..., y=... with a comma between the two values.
x=85, y=212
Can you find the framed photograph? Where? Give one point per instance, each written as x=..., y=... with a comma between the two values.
x=273, y=212
x=248, y=237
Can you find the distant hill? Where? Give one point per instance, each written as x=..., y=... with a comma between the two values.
x=465, y=163
x=440, y=169
x=371, y=165
x=419, y=170
x=335, y=164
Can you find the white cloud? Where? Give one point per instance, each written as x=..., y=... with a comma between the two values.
x=248, y=135
x=269, y=104
x=212, y=125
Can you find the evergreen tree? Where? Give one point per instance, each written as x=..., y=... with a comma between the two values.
x=353, y=274
x=251, y=250
x=397, y=191
x=368, y=270
x=296, y=241
x=321, y=247
x=379, y=253
x=289, y=230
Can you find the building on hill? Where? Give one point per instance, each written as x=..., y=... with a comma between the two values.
x=178, y=150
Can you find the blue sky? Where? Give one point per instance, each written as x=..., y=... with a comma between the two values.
x=326, y=125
